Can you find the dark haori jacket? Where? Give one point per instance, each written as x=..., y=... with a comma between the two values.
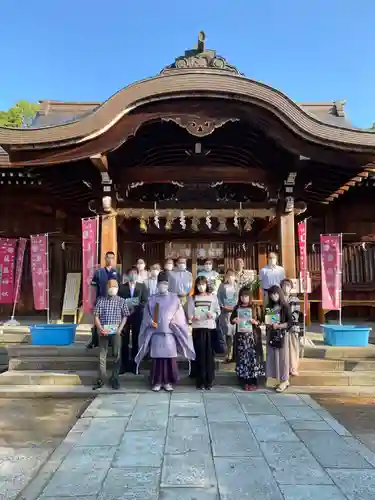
x=257, y=333
x=140, y=292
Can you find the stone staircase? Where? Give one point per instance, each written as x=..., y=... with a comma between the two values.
x=74, y=366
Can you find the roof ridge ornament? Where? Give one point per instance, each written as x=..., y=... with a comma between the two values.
x=201, y=58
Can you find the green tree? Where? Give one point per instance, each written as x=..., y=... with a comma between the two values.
x=20, y=115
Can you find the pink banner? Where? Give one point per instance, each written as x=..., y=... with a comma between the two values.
x=7, y=263
x=302, y=243
x=330, y=256
x=39, y=270
x=19, y=268
x=89, y=261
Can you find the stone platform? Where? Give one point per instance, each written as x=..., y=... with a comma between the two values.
x=202, y=446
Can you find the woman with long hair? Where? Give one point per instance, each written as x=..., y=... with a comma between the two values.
x=203, y=310
x=278, y=319
x=227, y=295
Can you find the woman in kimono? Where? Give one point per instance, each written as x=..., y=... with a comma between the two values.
x=249, y=355
x=278, y=319
x=296, y=331
x=203, y=311
x=227, y=296
x=164, y=333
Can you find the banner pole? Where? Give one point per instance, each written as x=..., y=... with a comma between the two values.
x=339, y=276
x=18, y=282
x=48, y=280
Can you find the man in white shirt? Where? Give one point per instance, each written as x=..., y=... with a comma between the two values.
x=270, y=275
x=151, y=283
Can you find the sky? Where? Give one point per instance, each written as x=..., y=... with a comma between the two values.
x=86, y=50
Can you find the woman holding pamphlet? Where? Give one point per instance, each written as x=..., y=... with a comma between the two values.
x=227, y=295
x=249, y=355
x=203, y=310
x=278, y=320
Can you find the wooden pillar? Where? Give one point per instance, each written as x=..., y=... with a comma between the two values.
x=287, y=243
x=108, y=242
x=262, y=261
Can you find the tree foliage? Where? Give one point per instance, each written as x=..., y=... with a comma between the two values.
x=20, y=115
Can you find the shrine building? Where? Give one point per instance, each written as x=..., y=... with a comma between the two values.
x=198, y=160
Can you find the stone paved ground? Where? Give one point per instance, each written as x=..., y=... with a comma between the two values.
x=205, y=446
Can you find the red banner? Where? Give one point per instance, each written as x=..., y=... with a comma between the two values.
x=89, y=261
x=330, y=257
x=19, y=268
x=7, y=263
x=302, y=243
x=39, y=270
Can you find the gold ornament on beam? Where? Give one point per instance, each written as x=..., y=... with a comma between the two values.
x=222, y=224
x=195, y=224
x=248, y=224
x=169, y=222
x=142, y=224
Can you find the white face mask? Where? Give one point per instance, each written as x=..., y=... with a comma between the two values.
x=154, y=273
x=208, y=267
x=163, y=287
x=275, y=297
x=112, y=291
x=168, y=266
x=141, y=266
x=272, y=262
x=202, y=288
x=182, y=266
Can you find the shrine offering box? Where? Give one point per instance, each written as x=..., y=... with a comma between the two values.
x=53, y=334
x=346, y=335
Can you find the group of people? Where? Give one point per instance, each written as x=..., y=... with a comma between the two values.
x=147, y=314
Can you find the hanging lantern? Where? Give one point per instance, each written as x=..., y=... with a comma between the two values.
x=208, y=219
x=222, y=224
x=195, y=224
x=182, y=220
x=142, y=225
x=248, y=224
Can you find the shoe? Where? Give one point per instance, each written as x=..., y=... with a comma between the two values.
x=115, y=384
x=89, y=346
x=252, y=388
x=156, y=387
x=208, y=387
x=168, y=387
x=283, y=386
x=294, y=373
x=99, y=384
x=246, y=387
x=200, y=387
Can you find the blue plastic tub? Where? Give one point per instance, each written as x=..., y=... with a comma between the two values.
x=346, y=335
x=58, y=334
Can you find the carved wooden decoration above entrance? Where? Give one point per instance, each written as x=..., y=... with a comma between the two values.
x=199, y=126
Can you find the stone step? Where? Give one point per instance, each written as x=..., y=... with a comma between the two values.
x=86, y=378
x=329, y=352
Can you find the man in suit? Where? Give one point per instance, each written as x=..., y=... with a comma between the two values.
x=135, y=294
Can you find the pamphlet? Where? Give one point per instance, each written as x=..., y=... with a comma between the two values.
x=201, y=312
x=110, y=329
x=245, y=316
x=230, y=299
x=271, y=317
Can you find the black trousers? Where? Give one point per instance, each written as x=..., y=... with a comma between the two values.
x=130, y=334
x=204, y=364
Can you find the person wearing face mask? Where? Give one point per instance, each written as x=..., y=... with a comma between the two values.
x=270, y=275
x=211, y=275
x=164, y=334
x=168, y=266
x=203, y=310
x=151, y=283
x=110, y=315
x=249, y=350
x=227, y=296
x=296, y=331
x=142, y=272
x=135, y=294
x=181, y=280
x=278, y=320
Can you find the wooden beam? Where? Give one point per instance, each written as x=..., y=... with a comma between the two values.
x=192, y=173
x=100, y=161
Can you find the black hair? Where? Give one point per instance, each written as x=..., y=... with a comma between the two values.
x=244, y=291
x=132, y=268
x=286, y=281
x=202, y=280
x=276, y=289
x=162, y=276
x=109, y=253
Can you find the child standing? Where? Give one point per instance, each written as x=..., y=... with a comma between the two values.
x=203, y=310
x=227, y=296
x=249, y=355
x=278, y=319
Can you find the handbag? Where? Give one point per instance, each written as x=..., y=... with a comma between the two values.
x=277, y=339
x=218, y=342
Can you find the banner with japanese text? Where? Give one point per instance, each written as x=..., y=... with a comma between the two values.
x=330, y=257
x=89, y=261
x=7, y=264
x=19, y=268
x=302, y=244
x=39, y=270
